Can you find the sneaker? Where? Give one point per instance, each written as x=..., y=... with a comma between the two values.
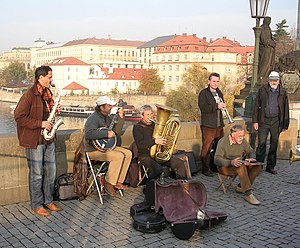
x=41, y=211
x=252, y=199
x=109, y=188
x=239, y=190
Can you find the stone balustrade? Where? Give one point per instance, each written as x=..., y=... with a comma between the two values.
x=14, y=169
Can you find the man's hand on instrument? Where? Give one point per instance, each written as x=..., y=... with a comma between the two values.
x=59, y=107
x=237, y=162
x=221, y=105
x=250, y=160
x=160, y=140
x=47, y=125
x=111, y=134
x=121, y=112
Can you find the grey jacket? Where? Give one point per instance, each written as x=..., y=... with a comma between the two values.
x=96, y=121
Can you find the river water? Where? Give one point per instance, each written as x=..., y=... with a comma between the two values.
x=8, y=124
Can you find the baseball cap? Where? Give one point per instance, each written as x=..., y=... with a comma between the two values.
x=274, y=75
x=105, y=100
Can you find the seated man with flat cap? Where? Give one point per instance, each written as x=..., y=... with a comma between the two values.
x=230, y=157
x=119, y=158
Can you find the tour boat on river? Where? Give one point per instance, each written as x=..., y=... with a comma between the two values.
x=84, y=112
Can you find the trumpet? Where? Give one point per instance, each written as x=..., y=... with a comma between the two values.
x=224, y=110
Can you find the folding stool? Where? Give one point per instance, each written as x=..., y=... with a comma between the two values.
x=223, y=179
x=143, y=172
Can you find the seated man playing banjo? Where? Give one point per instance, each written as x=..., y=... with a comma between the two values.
x=101, y=132
x=231, y=158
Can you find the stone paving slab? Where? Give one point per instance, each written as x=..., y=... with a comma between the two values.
x=275, y=223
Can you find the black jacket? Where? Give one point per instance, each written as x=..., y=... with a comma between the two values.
x=262, y=101
x=209, y=108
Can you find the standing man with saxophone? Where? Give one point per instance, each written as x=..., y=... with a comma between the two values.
x=31, y=115
x=143, y=137
x=211, y=105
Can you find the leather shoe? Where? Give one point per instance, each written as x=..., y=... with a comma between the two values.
x=41, y=211
x=272, y=171
x=121, y=186
x=109, y=188
x=239, y=190
x=252, y=199
x=53, y=207
x=208, y=173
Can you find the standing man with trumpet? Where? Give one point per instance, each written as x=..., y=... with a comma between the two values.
x=31, y=115
x=211, y=105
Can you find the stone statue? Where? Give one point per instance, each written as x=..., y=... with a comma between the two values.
x=266, y=58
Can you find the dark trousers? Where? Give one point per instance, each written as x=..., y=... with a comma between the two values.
x=209, y=136
x=271, y=125
x=176, y=164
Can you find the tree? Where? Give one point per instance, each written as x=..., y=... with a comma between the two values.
x=280, y=30
x=186, y=102
x=13, y=74
x=196, y=77
x=285, y=43
x=150, y=82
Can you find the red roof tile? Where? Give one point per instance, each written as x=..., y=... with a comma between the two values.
x=123, y=73
x=104, y=42
x=66, y=61
x=74, y=86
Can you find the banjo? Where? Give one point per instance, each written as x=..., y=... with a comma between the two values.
x=106, y=144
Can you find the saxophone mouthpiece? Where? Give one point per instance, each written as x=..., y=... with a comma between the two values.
x=52, y=84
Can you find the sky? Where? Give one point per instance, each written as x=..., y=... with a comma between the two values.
x=23, y=22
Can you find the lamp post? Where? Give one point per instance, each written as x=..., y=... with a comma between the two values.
x=258, y=10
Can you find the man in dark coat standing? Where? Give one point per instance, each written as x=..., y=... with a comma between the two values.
x=211, y=104
x=270, y=115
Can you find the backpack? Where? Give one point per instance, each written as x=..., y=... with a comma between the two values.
x=64, y=188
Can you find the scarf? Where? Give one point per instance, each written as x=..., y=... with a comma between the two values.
x=46, y=95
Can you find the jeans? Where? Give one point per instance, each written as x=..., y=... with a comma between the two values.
x=271, y=126
x=42, y=173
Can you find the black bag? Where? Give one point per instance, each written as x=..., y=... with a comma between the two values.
x=149, y=222
x=64, y=188
x=132, y=177
x=139, y=208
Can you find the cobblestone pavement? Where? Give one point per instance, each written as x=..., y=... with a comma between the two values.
x=275, y=223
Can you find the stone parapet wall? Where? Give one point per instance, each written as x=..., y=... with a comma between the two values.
x=14, y=169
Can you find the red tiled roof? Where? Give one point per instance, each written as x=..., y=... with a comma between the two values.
x=123, y=73
x=66, y=61
x=74, y=86
x=183, y=43
x=104, y=42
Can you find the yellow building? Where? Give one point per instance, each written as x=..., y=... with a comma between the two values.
x=227, y=57
x=104, y=52
x=19, y=54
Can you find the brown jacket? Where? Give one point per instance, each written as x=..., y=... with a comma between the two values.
x=28, y=115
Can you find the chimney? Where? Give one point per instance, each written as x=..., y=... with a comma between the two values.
x=184, y=34
x=194, y=35
x=204, y=38
x=224, y=37
x=109, y=36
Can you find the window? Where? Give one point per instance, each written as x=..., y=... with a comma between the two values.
x=163, y=68
x=170, y=67
x=170, y=78
x=177, y=78
x=212, y=57
x=177, y=68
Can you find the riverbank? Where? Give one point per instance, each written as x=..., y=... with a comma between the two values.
x=13, y=96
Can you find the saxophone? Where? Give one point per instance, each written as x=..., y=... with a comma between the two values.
x=48, y=135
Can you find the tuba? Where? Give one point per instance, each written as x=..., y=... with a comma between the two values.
x=293, y=157
x=48, y=135
x=168, y=128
